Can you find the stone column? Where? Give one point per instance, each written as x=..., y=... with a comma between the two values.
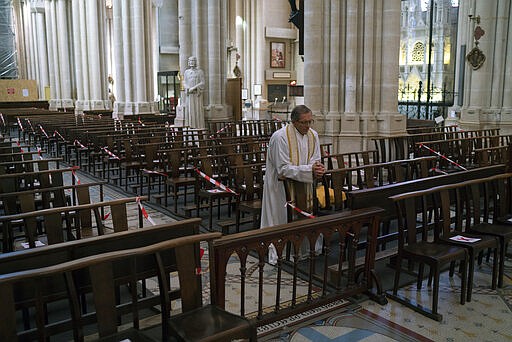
x=78, y=17
x=185, y=44
x=485, y=92
x=63, y=27
x=51, y=29
x=119, y=67
x=133, y=58
x=351, y=75
x=506, y=109
x=95, y=19
x=388, y=119
x=216, y=58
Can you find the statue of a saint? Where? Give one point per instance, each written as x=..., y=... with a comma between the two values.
x=194, y=87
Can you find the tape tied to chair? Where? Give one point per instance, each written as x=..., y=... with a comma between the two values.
x=144, y=212
x=300, y=211
x=215, y=182
x=444, y=157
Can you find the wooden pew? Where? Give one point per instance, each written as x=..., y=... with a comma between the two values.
x=32, y=261
x=11, y=182
x=58, y=221
x=380, y=195
x=28, y=165
x=370, y=176
x=251, y=248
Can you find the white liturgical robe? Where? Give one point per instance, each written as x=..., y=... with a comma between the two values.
x=278, y=166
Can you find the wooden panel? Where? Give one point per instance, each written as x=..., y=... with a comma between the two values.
x=234, y=97
x=18, y=90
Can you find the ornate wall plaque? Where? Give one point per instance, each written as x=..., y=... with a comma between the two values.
x=476, y=58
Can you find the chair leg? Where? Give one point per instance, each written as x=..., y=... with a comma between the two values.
x=471, y=271
x=495, y=267
x=464, y=278
x=502, y=262
x=435, y=290
x=419, y=281
x=398, y=266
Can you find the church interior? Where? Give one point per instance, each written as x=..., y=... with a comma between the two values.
x=136, y=140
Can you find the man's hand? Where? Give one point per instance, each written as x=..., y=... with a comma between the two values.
x=318, y=170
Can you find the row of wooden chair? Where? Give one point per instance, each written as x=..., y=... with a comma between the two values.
x=460, y=221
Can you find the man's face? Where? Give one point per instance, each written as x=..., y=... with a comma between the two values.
x=192, y=62
x=305, y=121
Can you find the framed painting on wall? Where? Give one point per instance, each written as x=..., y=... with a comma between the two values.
x=277, y=55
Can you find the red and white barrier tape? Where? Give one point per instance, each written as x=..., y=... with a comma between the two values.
x=110, y=153
x=40, y=153
x=19, y=145
x=20, y=125
x=155, y=172
x=73, y=172
x=144, y=212
x=215, y=182
x=201, y=253
x=444, y=157
x=277, y=119
x=44, y=132
x=76, y=142
x=435, y=169
x=57, y=133
x=30, y=124
x=221, y=130
x=2, y=118
x=106, y=216
x=300, y=211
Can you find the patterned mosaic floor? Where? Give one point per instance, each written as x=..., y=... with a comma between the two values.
x=487, y=317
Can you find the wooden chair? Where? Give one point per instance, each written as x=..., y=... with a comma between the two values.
x=216, y=169
x=490, y=209
x=249, y=184
x=449, y=228
x=178, y=180
x=414, y=245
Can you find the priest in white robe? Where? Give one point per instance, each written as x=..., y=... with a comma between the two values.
x=293, y=152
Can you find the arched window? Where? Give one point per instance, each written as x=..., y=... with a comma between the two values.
x=418, y=53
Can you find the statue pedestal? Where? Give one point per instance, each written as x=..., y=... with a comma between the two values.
x=179, y=120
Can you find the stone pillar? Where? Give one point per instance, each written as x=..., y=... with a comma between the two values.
x=133, y=58
x=386, y=107
x=42, y=53
x=119, y=67
x=506, y=109
x=185, y=44
x=58, y=29
x=51, y=29
x=485, y=93
x=202, y=34
x=63, y=27
x=216, y=59
x=351, y=75
x=82, y=78
x=96, y=17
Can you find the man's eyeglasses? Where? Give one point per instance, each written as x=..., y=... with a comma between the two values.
x=307, y=123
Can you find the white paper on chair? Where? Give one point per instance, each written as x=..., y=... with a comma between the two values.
x=214, y=191
x=461, y=238
x=26, y=245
